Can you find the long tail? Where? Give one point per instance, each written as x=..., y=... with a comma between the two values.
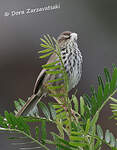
x=29, y=105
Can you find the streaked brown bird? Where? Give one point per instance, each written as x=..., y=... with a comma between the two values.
x=72, y=60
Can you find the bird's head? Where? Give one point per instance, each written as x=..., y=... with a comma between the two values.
x=67, y=35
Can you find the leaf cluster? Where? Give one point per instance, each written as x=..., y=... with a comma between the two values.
x=102, y=95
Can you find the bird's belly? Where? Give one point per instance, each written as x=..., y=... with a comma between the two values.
x=75, y=76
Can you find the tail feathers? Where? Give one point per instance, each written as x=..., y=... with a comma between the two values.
x=30, y=105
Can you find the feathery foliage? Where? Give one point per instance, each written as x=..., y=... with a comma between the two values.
x=20, y=126
x=113, y=106
x=74, y=119
x=51, y=46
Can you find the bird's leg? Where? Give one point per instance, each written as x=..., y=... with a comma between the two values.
x=65, y=108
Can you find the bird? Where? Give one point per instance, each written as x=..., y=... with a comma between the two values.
x=72, y=61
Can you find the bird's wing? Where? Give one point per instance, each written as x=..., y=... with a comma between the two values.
x=42, y=74
x=39, y=81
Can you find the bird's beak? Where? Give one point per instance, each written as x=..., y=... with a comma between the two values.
x=74, y=36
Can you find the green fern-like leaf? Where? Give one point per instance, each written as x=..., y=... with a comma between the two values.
x=20, y=126
x=61, y=143
x=77, y=139
x=51, y=46
x=113, y=106
x=105, y=90
x=18, y=104
x=45, y=110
